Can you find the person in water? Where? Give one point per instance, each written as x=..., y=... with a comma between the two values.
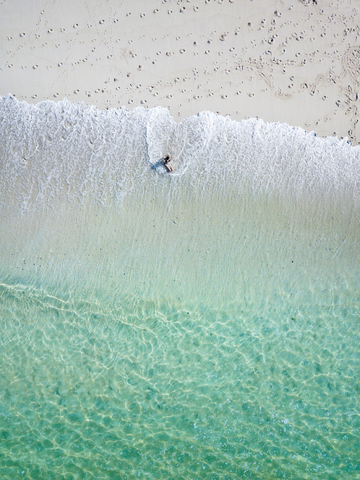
x=167, y=163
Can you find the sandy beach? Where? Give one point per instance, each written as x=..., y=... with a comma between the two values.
x=289, y=61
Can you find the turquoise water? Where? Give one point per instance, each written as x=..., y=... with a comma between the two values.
x=202, y=324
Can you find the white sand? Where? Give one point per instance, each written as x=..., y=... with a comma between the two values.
x=289, y=61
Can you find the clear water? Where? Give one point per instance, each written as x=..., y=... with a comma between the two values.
x=201, y=324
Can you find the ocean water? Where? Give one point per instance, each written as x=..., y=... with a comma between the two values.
x=196, y=324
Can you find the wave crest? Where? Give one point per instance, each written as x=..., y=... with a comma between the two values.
x=53, y=150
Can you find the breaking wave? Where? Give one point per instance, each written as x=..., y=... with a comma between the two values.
x=55, y=150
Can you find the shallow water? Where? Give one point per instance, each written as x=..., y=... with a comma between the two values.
x=203, y=324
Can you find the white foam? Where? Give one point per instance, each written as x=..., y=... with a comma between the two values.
x=64, y=150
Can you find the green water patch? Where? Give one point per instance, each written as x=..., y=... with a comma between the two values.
x=138, y=388
x=183, y=335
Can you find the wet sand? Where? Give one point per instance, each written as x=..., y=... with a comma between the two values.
x=296, y=62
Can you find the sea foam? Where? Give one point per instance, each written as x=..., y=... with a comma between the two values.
x=65, y=150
